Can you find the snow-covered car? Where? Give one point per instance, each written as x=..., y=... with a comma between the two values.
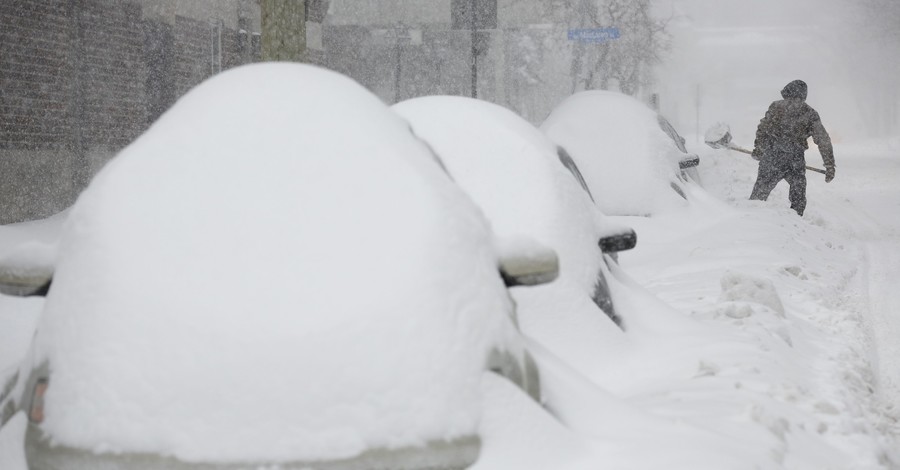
x=285, y=278
x=634, y=161
x=515, y=174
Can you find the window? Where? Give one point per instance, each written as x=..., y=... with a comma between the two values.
x=668, y=129
x=567, y=162
x=603, y=299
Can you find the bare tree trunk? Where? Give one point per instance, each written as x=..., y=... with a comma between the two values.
x=283, y=30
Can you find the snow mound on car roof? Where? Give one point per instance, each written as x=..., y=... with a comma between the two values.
x=620, y=148
x=276, y=270
x=512, y=172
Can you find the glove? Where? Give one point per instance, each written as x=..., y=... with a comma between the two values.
x=829, y=174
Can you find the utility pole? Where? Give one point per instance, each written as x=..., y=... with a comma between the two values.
x=697, y=117
x=474, y=33
x=399, y=34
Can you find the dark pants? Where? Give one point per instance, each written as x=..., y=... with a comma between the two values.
x=791, y=170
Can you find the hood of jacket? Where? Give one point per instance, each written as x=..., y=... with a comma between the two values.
x=794, y=90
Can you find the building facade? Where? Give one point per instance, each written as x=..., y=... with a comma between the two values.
x=80, y=79
x=510, y=52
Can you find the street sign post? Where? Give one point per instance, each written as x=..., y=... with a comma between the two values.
x=594, y=34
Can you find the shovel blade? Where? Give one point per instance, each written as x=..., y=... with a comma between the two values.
x=718, y=136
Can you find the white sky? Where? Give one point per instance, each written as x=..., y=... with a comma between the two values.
x=740, y=54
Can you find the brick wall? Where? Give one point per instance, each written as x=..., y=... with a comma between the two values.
x=110, y=77
x=192, y=53
x=35, y=75
x=80, y=79
x=37, y=130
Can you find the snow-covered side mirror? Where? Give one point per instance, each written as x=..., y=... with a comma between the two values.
x=25, y=284
x=617, y=242
x=689, y=161
x=527, y=263
x=24, y=281
x=26, y=268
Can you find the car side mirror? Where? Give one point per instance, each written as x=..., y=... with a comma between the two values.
x=25, y=282
x=622, y=241
x=689, y=161
x=529, y=264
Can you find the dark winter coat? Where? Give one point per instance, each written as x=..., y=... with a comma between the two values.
x=782, y=133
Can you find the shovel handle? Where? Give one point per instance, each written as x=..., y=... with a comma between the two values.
x=817, y=170
x=748, y=152
x=739, y=149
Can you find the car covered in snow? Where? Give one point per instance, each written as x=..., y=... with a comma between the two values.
x=284, y=279
x=529, y=189
x=634, y=162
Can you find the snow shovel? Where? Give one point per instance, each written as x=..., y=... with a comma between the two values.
x=719, y=137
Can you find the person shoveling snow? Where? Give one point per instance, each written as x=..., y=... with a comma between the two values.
x=781, y=141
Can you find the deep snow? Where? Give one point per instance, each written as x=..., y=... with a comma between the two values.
x=782, y=354
x=823, y=376
x=765, y=340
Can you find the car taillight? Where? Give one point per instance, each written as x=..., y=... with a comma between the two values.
x=36, y=413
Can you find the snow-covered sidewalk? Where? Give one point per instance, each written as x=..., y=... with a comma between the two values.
x=773, y=348
x=809, y=376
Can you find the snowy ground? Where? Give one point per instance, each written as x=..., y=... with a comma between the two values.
x=816, y=362
x=782, y=351
x=788, y=357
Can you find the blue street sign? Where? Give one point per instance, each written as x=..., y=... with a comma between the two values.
x=594, y=35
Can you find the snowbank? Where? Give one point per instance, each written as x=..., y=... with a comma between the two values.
x=789, y=372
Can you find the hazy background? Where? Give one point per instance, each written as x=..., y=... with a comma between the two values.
x=730, y=59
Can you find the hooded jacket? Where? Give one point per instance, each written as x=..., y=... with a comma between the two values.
x=783, y=132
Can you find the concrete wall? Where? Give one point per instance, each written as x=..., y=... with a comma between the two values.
x=401, y=49
x=388, y=12
x=228, y=11
x=510, y=13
